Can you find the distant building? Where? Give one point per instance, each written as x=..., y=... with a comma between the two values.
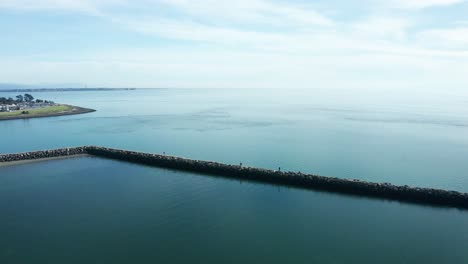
x=8, y=108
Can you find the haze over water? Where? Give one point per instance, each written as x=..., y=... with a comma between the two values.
x=377, y=136
x=91, y=210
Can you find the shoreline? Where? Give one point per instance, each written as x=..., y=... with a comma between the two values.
x=76, y=110
x=387, y=191
x=36, y=90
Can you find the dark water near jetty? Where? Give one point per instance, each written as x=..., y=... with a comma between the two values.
x=90, y=210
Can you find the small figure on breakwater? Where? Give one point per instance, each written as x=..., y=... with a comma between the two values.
x=240, y=164
x=279, y=168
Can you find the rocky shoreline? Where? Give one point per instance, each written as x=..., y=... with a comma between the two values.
x=76, y=110
x=405, y=193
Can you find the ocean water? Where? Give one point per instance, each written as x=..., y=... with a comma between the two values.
x=91, y=210
x=402, y=138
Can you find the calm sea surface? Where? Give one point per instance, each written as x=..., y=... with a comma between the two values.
x=90, y=210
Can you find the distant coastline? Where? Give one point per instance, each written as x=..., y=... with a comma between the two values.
x=72, y=110
x=10, y=90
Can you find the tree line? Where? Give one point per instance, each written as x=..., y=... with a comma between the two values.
x=21, y=99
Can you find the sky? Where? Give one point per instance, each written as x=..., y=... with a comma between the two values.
x=415, y=45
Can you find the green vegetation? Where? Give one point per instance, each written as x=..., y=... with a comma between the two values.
x=9, y=100
x=37, y=112
x=26, y=106
x=21, y=99
x=28, y=97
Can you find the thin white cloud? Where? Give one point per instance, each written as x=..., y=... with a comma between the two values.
x=374, y=35
x=420, y=4
x=91, y=7
x=384, y=27
x=254, y=43
x=449, y=38
x=246, y=11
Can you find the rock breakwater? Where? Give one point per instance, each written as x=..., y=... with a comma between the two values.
x=405, y=193
x=43, y=154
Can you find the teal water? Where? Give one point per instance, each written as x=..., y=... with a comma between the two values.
x=419, y=140
x=90, y=210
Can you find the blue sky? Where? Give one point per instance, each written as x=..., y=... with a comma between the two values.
x=334, y=44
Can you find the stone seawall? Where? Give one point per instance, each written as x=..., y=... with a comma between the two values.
x=355, y=187
x=64, y=152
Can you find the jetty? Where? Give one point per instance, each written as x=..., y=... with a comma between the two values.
x=425, y=196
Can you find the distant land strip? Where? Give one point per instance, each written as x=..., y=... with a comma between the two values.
x=68, y=110
x=424, y=196
x=63, y=89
